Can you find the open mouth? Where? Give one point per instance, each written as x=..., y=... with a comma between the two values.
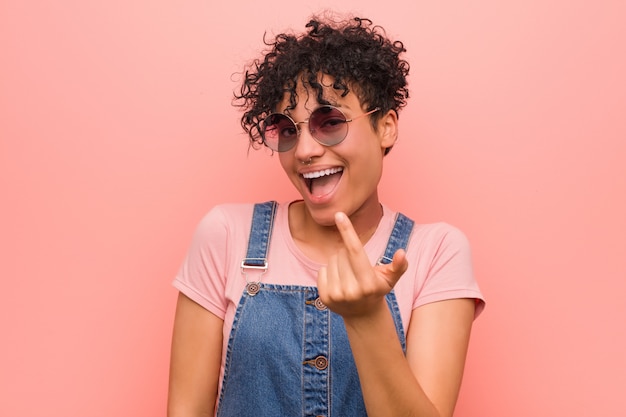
x=322, y=182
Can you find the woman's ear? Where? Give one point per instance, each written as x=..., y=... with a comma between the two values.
x=388, y=125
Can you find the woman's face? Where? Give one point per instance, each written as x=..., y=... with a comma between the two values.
x=343, y=177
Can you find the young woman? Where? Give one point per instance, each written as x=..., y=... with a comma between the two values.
x=334, y=304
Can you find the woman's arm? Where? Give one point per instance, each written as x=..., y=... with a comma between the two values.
x=426, y=381
x=195, y=360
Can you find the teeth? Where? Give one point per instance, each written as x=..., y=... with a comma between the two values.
x=317, y=174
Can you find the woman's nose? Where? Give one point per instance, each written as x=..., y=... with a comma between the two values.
x=306, y=146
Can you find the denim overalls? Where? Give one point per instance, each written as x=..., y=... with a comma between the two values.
x=288, y=355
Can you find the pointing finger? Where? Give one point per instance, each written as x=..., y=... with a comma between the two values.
x=348, y=234
x=356, y=255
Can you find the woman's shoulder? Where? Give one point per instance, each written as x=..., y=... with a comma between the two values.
x=229, y=213
x=438, y=231
x=224, y=220
x=230, y=210
x=428, y=239
x=230, y=217
x=438, y=240
x=430, y=233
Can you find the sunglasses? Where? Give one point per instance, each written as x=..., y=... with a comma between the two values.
x=327, y=124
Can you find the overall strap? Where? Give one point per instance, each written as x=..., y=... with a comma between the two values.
x=260, y=234
x=258, y=243
x=399, y=237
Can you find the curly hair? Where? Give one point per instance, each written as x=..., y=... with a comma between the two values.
x=354, y=52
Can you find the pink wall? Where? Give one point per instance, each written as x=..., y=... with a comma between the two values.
x=116, y=135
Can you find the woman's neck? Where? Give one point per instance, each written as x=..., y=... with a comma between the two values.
x=319, y=242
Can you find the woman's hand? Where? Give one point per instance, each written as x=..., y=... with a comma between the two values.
x=349, y=285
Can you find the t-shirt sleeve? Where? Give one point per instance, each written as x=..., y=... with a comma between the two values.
x=449, y=273
x=202, y=276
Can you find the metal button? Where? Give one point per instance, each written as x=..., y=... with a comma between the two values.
x=321, y=363
x=252, y=288
x=319, y=304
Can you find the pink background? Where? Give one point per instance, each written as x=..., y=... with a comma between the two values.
x=117, y=135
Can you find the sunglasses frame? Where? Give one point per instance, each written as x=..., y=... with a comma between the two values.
x=307, y=121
